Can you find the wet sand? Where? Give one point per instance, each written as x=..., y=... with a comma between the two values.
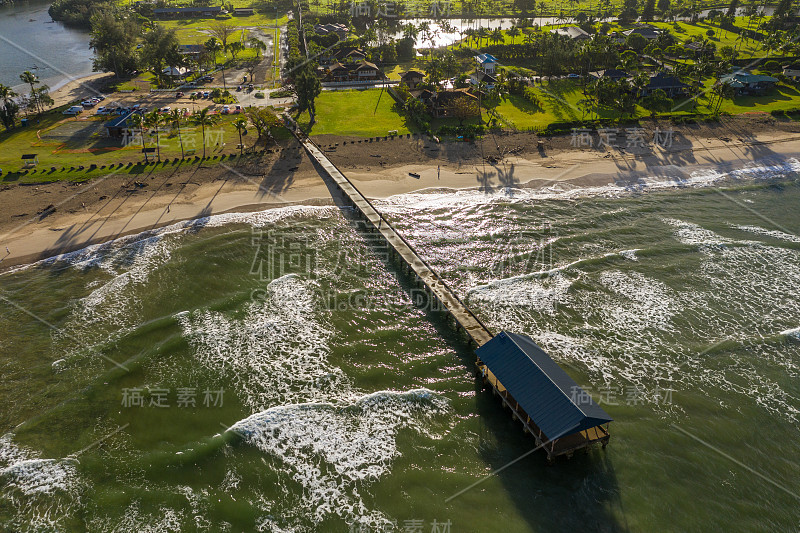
x=113, y=206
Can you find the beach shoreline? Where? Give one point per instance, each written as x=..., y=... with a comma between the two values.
x=47, y=220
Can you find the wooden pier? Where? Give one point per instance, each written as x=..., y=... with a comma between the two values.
x=464, y=319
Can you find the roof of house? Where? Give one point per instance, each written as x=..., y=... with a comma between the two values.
x=412, y=74
x=555, y=403
x=741, y=78
x=367, y=64
x=613, y=73
x=119, y=122
x=573, y=32
x=647, y=32
x=190, y=48
x=695, y=45
x=485, y=58
x=485, y=77
x=330, y=28
x=792, y=66
x=662, y=80
x=421, y=93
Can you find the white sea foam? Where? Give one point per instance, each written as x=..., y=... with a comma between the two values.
x=776, y=234
x=42, y=492
x=336, y=451
x=664, y=179
x=640, y=302
x=276, y=353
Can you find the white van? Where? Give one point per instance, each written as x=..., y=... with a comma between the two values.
x=74, y=110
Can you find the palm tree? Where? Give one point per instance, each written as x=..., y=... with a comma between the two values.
x=175, y=118
x=203, y=118
x=497, y=35
x=154, y=119
x=31, y=79
x=258, y=45
x=137, y=121
x=513, y=32
x=214, y=46
x=241, y=126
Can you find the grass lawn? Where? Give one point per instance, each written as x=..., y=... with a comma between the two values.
x=66, y=143
x=364, y=113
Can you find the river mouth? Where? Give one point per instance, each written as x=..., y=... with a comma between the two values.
x=32, y=41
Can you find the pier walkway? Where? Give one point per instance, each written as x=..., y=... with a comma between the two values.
x=433, y=283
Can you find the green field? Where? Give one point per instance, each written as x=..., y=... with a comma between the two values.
x=364, y=113
x=67, y=144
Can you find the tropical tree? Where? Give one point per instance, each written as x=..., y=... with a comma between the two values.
x=657, y=102
x=222, y=32
x=205, y=119
x=213, y=46
x=114, y=38
x=235, y=48
x=160, y=48
x=258, y=45
x=307, y=88
x=154, y=119
x=175, y=117
x=137, y=122
x=497, y=36
x=241, y=126
x=9, y=109
x=31, y=79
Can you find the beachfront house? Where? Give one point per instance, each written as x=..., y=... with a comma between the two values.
x=412, y=78
x=443, y=103
x=672, y=85
x=748, y=84
x=486, y=62
x=352, y=71
x=572, y=32
x=243, y=11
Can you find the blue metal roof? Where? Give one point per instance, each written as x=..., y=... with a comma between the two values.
x=486, y=58
x=555, y=403
x=119, y=122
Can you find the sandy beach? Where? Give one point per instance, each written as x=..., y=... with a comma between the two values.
x=40, y=221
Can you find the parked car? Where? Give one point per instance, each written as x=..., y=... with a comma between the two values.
x=206, y=94
x=178, y=94
x=165, y=109
x=87, y=103
x=74, y=110
x=226, y=109
x=573, y=75
x=250, y=87
x=238, y=109
x=103, y=111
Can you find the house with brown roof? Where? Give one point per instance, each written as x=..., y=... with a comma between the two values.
x=412, y=78
x=442, y=103
x=352, y=71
